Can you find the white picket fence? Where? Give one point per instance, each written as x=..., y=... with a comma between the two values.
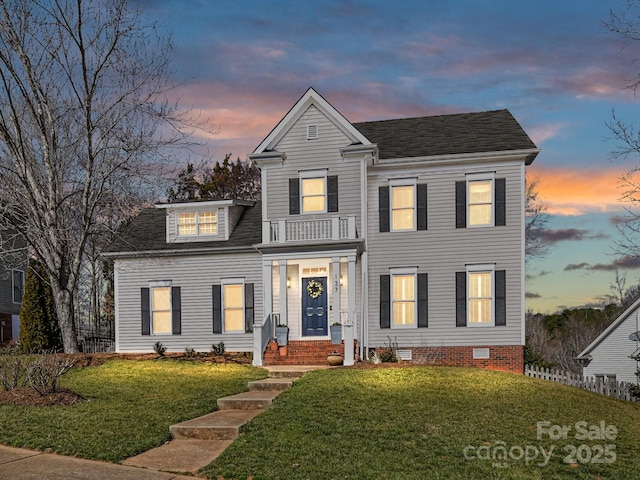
x=610, y=388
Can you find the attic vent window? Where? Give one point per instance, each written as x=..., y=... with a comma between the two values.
x=312, y=131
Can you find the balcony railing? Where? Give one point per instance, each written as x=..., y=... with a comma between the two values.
x=332, y=228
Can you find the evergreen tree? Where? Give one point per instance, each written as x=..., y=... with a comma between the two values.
x=39, y=329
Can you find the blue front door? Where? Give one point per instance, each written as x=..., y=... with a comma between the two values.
x=314, y=307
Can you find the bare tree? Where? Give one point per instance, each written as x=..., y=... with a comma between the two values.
x=84, y=120
x=626, y=25
x=536, y=219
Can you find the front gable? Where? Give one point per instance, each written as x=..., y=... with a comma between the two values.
x=311, y=98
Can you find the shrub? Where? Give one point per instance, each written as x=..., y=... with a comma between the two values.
x=13, y=368
x=189, y=352
x=39, y=329
x=388, y=354
x=45, y=370
x=217, y=349
x=159, y=348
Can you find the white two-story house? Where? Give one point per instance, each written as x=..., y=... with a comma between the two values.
x=407, y=232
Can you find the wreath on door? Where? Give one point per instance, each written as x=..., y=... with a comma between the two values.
x=314, y=289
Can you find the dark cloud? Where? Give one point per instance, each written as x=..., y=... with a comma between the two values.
x=541, y=273
x=532, y=295
x=551, y=236
x=576, y=266
x=628, y=262
x=618, y=219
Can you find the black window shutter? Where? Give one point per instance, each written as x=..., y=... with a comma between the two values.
x=423, y=300
x=461, y=299
x=501, y=297
x=332, y=193
x=383, y=208
x=422, y=206
x=217, y=308
x=461, y=204
x=501, y=210
x=248, y=307
x=176, y=311
x=146, y=311
x=294, y=196
x=385, y=301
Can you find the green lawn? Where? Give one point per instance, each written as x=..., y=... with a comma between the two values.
x=130, y=406
x=432, y=423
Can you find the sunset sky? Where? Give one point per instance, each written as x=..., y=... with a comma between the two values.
x=551, y=63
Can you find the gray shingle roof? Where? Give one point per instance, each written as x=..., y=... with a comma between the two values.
x=491, y=131
x=147, y=233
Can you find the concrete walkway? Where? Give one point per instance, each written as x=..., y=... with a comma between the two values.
x=195, y=444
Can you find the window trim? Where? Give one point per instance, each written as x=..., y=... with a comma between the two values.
x=404, y=183
x=481, y=177
x=13, y=285
x=227, y=282
x=485, y=268
x=313, y=175
x=403, y=272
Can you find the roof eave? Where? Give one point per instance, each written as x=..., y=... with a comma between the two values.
x=527, y=154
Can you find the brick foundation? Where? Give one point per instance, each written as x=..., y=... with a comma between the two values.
x=507, y=358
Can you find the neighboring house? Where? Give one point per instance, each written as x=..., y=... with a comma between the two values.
x=13, y=265
x=613, y=355
x=407, y=231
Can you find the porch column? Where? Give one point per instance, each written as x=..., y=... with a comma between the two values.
x=349, y=326
x=335, y=282
x=283, y=291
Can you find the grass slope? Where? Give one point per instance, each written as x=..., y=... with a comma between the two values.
x=415, y=423
x=130, y=406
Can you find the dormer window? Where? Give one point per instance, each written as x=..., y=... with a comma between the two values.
x=198, y=223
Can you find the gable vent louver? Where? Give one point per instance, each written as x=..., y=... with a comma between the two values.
x=312, y=131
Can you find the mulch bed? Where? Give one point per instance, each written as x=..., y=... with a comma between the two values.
x=27, y=396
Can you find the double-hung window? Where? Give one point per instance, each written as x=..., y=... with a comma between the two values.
x=480, y=196
x=233, y=307
x=313, y=193
x=481, y=201
x=403, y=299
x=403, y=203
x=161, y=310
x=198, y=223
x=481, y=296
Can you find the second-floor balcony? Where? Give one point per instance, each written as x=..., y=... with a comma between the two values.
x=287, y=231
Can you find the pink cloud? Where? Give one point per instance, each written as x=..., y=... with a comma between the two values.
x=574, y=191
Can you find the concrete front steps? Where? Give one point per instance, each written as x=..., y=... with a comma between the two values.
x=198, y=442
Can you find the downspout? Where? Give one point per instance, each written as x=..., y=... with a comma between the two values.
x=364, y=301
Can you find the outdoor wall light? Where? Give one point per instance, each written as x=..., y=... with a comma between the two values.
x=288, y=283
x=341, y=281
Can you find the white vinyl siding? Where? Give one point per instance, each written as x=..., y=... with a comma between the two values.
x=196, y=299
x=611, y=355
x=443, y=250
x=303, y=155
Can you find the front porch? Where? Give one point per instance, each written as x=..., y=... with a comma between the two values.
x=308, y=292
